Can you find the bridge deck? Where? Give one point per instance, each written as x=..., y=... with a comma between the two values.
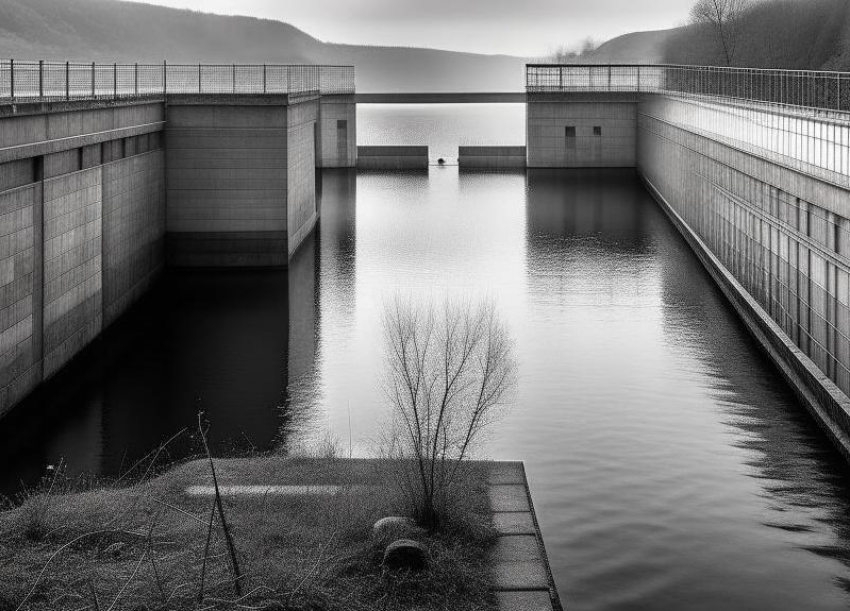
x=497, y=97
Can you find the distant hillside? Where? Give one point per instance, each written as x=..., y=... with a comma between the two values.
x=789, y=34
x=113, y=31
x=634, y=48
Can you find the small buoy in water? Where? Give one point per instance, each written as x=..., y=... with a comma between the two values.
x=441, y=161
x=50, y=467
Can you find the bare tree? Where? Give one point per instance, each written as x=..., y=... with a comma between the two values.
x=449, y=371
x=723, y=16
x=567, y=55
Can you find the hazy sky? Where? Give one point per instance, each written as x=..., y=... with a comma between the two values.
x=519, y=27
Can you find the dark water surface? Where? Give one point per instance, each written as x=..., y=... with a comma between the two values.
x=670, y=466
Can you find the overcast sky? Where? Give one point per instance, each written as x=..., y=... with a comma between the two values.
x=518, y=27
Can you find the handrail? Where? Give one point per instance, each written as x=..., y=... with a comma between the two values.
x=29, y=80
x=809, y=89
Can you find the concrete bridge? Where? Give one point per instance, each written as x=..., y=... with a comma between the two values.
x=108, y=173
x=496, y=97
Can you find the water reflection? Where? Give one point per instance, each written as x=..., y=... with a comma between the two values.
x=667, y=457
x=217, y=341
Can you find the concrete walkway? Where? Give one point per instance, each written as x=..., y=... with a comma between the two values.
x=519, y=563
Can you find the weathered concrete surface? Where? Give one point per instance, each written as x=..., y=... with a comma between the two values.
x=336, y=143
x=81, y=187
x=776, y=239
x=581, y=134
x=300, y=203
x=133, y=229
x=392, y=157
x=88, y=196
x=492, y=157
x=227, y=173
x=521, y=573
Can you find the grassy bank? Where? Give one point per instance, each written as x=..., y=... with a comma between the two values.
x=145, y=546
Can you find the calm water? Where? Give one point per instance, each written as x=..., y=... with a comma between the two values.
x=671, y=468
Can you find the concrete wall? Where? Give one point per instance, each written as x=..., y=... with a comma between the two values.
x=337, y=142
x=778, y=242
x=492, y=157
x=227, y=181
x=581, y=134
x=83, y=215
x=20, y=333
x=133, y=229
x=392, y=157
x=81, y=231
x=301, y=213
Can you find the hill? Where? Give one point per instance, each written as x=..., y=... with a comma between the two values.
x=787, y=34
x=114, y=31
x=634, y=48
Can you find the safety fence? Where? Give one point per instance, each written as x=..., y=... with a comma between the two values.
x=27, y=81
x=801, y=88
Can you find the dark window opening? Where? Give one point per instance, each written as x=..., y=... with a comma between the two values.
x=597, y=130
x=571, y=131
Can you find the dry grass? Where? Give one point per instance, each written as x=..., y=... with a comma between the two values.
x=143, y=547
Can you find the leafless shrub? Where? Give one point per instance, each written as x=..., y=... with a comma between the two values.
x=724, y=17
x=449, y=370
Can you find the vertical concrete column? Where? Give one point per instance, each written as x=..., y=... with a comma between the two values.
x=337, y=144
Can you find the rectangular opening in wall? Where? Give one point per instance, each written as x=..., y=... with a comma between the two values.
x=597, y=130
x=342, y=141
x=570, y=133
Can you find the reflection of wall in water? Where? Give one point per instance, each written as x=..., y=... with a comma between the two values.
x=338, y=236
x=603, y=204
x=303, y=309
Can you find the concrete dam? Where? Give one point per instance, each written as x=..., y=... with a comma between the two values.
x=109, y=173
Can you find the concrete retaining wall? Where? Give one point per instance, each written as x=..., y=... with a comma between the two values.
x=81, y=232
x=133, y=229
x=300, y=204
x=227, y=174
x=492, y=157
x=581, y=134
x=392, y=157
x=778, y=242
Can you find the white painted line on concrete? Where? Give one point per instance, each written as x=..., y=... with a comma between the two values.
x=254, y=490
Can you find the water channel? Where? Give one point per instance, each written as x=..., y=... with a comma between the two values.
x=670, y=466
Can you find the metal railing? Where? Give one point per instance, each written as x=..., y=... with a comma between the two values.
x=28, y=81
x=801, y=88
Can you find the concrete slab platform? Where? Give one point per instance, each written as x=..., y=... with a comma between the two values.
x=519, y=566
x=535, y=600
x=514, y=523
x=509, y=497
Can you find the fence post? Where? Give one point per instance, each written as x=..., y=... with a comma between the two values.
x=41, y=78
x=93, y=80
x=136, y=79
x=233, y=78
x=164, y=77
x=115, y=81
x=200, y=77
x=12, y=78
x=67, y=80
x=264, y=78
